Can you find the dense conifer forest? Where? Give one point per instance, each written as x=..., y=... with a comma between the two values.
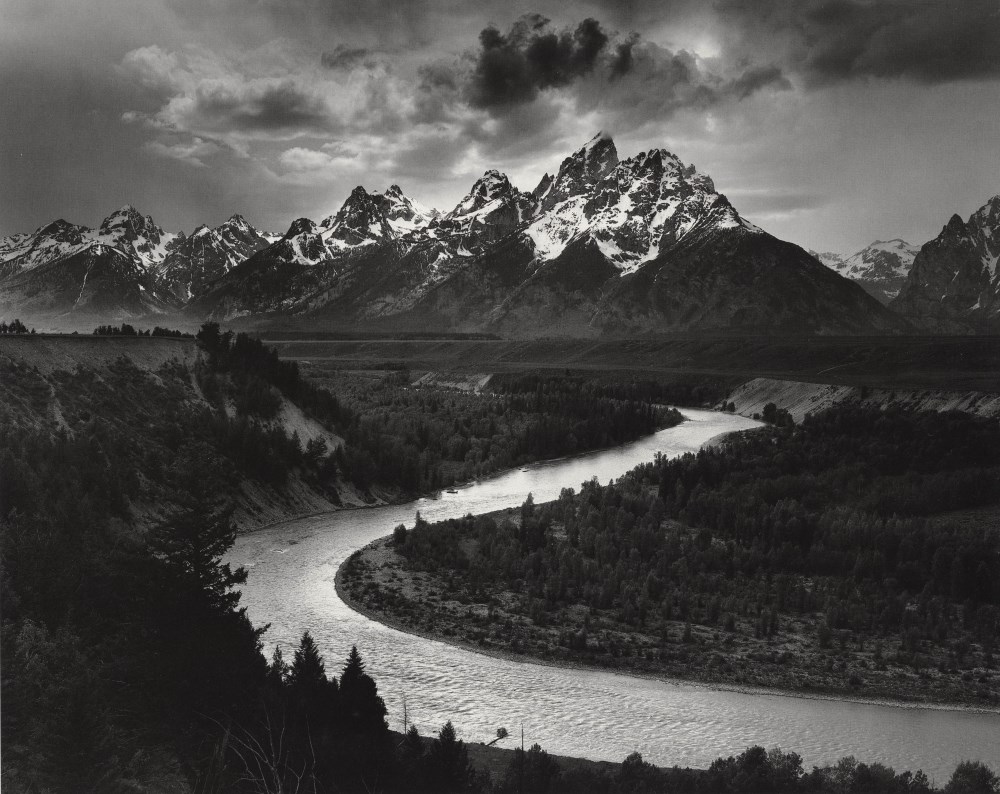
x=128, y=662
x=422, y=439
x=857, y=552
x=431, y=438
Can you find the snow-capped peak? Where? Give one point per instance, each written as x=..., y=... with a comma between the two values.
x=300, y=226
x=881, y=267
x=491, y=189
x=238, y=222
x=984, y=227
x=133, y=233
x=578, y=173
x=491, y=185
x=601, y=138
x=881, y=259
x=126, y=221
x=360, y=221
x=632, y=210
x=61, y=229
x=403, y=214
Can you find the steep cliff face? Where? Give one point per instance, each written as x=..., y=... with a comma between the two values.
x=954, y=284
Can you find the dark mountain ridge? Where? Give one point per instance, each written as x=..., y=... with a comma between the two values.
x=954, y=284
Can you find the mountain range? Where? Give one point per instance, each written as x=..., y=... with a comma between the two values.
x=949, y=284
x=603, y=245
x=127, y=268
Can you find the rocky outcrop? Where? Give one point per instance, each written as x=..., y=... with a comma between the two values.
x=954, y=284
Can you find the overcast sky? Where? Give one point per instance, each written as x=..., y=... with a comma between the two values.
x=830, y=123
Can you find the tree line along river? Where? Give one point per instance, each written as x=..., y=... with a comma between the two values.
x=569, y=711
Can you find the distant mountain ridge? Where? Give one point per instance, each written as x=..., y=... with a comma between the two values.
x=126, y=268
x=602, y=246
x=880, y=268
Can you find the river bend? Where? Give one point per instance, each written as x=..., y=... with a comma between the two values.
x=596, y=714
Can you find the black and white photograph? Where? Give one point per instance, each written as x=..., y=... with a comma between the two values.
x=522, y=397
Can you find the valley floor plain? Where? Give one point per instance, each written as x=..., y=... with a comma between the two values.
x=923, y=362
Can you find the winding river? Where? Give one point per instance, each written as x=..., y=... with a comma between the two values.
x=595, y=714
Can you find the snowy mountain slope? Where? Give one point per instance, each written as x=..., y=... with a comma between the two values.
x=490, y=211
x=128, y=230
x=578, y=173
x=954, y=283
x=140, y=268
x=639, y=245
x=54, y=241
x=401, y=213
x=831, y=259
x=880, y=268
x=630, y=209
x=99, y=282
x=562, y=258
x=207, y=254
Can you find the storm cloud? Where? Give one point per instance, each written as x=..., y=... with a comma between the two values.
x=512, y=68
x=832, y=41
x=598, y=68
x=193, y=110
x=265, y=107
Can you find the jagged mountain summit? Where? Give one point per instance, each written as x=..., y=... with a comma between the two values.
x=954, y=284
x=639, y=245
x=197, y=260
x=403, y=214
x=125, y=229
x=880, y=268
x=135, y=234
x=603, y=245
x=578, y=173
x=126, y=268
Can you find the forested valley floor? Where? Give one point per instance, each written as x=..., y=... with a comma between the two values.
x=129, y=664
x=856, y=554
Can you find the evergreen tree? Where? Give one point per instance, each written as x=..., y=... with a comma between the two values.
x=973, y=777
x=353, y=670
x=447, y=765
x=278, y=670
x=363, y=708
x=532, y=772
x=308, y=673
x=192, y=542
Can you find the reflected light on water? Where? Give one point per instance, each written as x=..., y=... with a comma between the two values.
x=595, y=714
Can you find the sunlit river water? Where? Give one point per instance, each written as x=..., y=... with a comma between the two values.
x=594, y=714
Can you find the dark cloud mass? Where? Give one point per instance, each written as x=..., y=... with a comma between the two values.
x=830, y=41
x=267, y=108
x=757, y=78
x=622, y=63
x=839, y=118
x=605, y=71
x=347, y=58
x=512, y=68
